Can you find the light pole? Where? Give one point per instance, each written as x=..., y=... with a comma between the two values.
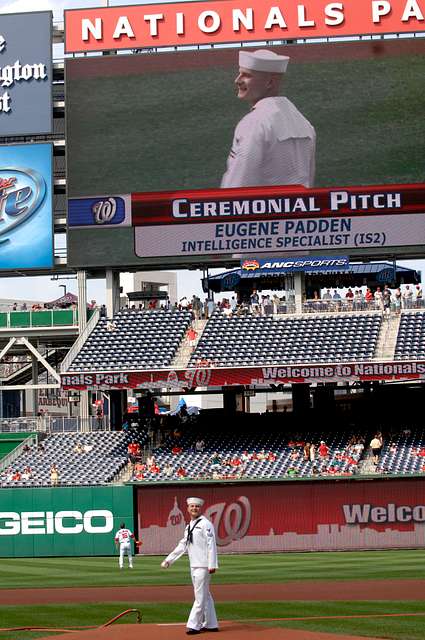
x=64, y=288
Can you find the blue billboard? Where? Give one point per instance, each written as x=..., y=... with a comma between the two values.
x=309, y=264
x=26, y=213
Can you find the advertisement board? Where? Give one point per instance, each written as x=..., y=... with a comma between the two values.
x=178, y=23
x=26, y=74
x=163, y=129
x=272, y=377
x=290, y=516
x=63, y=521
x=26, y=213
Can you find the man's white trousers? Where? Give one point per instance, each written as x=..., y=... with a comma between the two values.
x=126, y=549
x=203, y=611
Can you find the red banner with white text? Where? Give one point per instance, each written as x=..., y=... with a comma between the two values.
x=185, y=23
x=290, y=516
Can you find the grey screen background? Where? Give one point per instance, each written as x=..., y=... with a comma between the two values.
x=28, y=39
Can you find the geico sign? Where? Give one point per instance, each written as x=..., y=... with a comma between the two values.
x=45, y=522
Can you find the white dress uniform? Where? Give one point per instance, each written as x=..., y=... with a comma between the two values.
x=200, y=544
x=123, y=538
x=274, y=144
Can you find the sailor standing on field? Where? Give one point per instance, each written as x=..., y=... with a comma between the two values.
x=123, y=539
x=200, y=544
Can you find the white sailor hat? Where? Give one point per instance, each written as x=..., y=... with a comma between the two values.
x=263, y=60
x=198, y=501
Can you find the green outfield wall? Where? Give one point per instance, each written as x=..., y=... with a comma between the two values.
x=62, y=521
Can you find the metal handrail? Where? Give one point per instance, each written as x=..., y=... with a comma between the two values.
x=74, y=350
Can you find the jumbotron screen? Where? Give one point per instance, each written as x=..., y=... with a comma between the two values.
x=151, y=137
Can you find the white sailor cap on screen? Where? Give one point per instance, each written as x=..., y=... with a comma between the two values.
x=198, y=501
x=263, y=60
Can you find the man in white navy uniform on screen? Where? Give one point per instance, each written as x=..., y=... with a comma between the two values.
x=199, y=542
x=274, y=144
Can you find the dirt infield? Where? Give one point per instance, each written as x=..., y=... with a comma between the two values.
x=349, y=590
x=229, y=631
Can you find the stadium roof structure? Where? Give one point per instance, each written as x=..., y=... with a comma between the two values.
x=371, y=274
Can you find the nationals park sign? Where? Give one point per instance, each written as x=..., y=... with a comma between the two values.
x=260, y=377
x=226, y=21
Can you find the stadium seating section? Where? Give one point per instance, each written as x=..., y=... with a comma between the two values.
x=404, y=453
x=286, y=456
x=138, y=340
x=411, y=336
x=100, y=465
x=253, y=340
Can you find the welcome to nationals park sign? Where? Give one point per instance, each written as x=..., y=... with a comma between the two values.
x=226, y=21
x=267, y=377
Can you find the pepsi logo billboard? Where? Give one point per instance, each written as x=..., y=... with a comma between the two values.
x=26, y=218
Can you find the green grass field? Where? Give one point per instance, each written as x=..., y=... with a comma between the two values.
x=256, y=569
x=173, y=129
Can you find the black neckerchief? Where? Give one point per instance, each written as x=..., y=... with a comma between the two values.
x=190, y=529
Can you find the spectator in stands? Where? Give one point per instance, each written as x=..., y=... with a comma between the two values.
x=306, y=451
x=254, y=302
x=358, y=300
x=150, y=460
x=181, y=473
x=379, y=299
x=386, y=300
x=196, y=307
x=376, y=446
x=16, y=476
x=349, y=296
x=87, y=448
x=271, y=456
x=294, y=455
x=27, y=473
x=215, y=461
x=315, y=471
x=323, y=450
x=261, y=455
x=168, y=470
x=312, y=452
x=191, y=336
x=176, y=450
x=199, y=445
x=327, y=295
x=369, y=297
x=26, y=448
x=407, y=297
x=24, y=306
x=54, y=475
x=40, y=447
x=292, y=472
x=78, y=448
x=133, y=451
x=103, y=312
x=397, y=300
x=245, y=457
x=154, y=468
x=233, y=304
x=111, y=326
x=418, y=296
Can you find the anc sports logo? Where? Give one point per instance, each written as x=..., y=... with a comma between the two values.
x=250, y=265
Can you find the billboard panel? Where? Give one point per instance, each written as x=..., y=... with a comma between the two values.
x=26, y=74
x=158, y=126
x=290, y=516
x=178, y=23
x=26, y=213
x=212, y=375
x=63, y=521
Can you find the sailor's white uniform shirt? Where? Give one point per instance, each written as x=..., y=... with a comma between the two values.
x=274, y=144
x=202, y=551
